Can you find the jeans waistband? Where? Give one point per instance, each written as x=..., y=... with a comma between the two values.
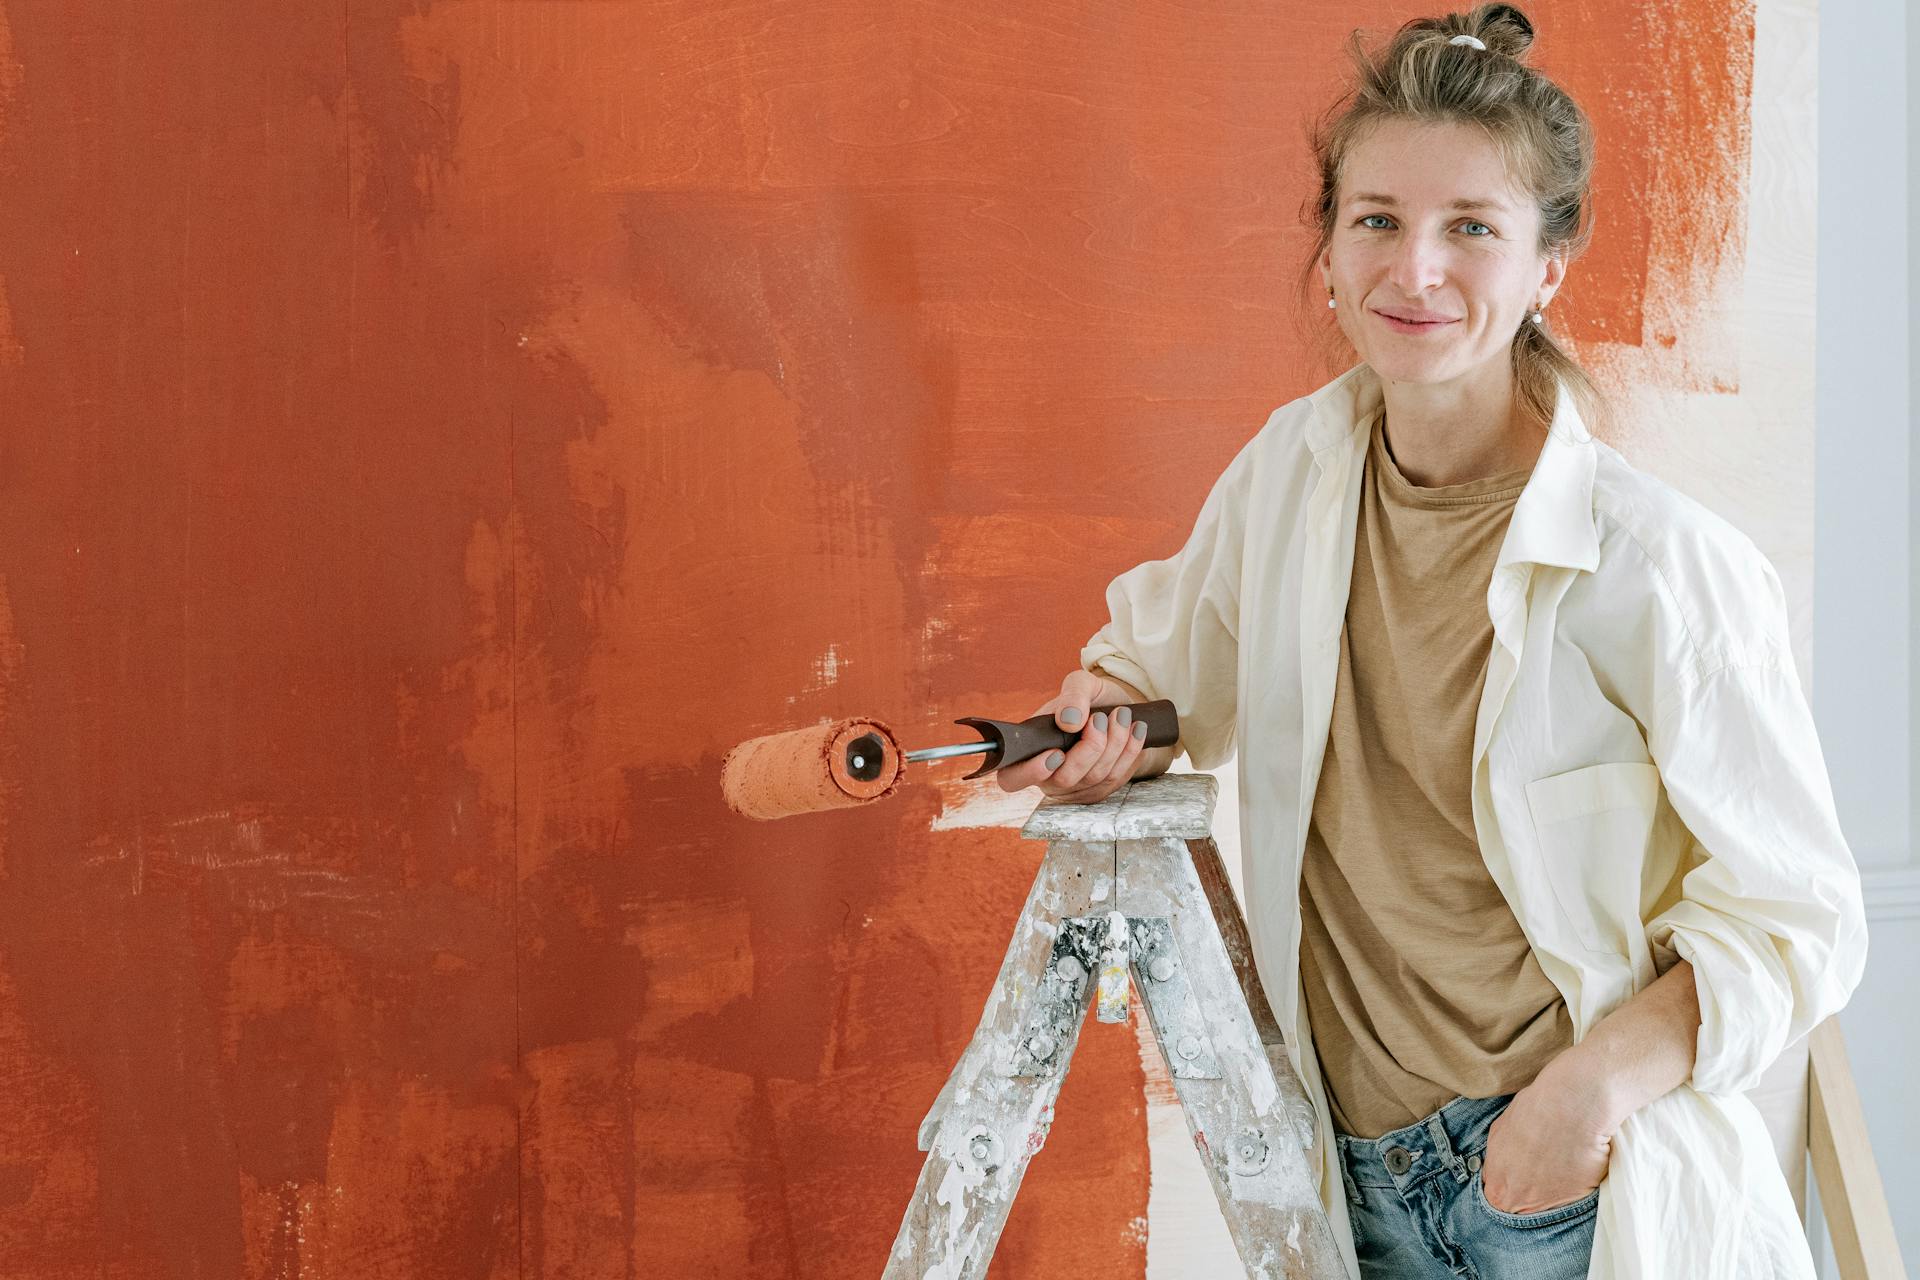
x=1440, y=1142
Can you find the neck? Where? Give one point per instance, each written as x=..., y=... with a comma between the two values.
x=1464, y=429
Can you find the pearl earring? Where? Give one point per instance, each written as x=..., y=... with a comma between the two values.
x=1536, y=313
x=1330, y=302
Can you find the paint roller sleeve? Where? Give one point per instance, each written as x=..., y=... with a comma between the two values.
x=808, y=770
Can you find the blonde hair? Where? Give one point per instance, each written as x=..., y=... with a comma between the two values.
x=1545, y=139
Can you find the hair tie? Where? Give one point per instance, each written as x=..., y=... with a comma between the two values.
x=1472, y=40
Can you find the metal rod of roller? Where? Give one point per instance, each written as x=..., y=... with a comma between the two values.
x=947, y=753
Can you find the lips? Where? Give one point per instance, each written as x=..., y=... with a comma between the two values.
x=1415, y=321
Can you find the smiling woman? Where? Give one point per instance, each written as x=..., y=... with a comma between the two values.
x=1543, y=866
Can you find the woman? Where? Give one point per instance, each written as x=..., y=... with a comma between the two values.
x=1542, y=865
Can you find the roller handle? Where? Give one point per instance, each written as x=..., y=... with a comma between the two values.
x=1014, y=742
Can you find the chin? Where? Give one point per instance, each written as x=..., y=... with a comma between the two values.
x=1409, y=367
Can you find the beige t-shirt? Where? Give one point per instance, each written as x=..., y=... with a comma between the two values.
x=1419, y=983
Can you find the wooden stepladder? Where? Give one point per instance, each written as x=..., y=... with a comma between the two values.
x=1132, y=886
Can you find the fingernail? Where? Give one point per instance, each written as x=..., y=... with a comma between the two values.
x=1123, y=717
x=1140, y=730
x=1071, y=716
x=1055, y=760
x=1099, y=722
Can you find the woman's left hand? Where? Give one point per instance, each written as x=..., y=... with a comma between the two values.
x=1550, y=1146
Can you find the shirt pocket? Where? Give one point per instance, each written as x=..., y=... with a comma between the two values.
x=1593, y=826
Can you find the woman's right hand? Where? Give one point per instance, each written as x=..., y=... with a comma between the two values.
x=1095, y=767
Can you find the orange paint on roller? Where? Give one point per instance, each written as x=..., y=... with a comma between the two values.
x=825, y=766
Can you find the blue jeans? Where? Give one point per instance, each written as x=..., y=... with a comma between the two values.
x=1418, y=1209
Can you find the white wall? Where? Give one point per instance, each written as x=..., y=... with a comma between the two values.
x=1864, y=697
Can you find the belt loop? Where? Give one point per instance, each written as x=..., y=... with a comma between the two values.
x=1346, y=1174
x=1438, y=1132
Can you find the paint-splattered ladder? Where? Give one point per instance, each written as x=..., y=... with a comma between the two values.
x=1135, y=885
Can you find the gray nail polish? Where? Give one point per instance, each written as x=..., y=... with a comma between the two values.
x=1055, y=760
x=1070, y=717
x=1099, y=722
x=1123, y=717
x=1140, y=730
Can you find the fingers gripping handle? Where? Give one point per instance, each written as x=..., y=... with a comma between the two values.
x=1027, y=738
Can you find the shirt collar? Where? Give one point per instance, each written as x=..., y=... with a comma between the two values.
x=1552, y=521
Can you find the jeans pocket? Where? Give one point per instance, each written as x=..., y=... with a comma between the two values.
x=1544, y=1218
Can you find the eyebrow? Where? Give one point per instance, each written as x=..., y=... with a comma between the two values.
x=1465, y=202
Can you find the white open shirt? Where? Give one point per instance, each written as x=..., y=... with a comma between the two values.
x=1647, y=784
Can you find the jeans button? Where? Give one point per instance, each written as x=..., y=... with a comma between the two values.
x=1473, y=1164
x=1399, y=1160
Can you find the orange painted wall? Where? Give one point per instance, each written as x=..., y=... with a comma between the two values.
x=435, y=432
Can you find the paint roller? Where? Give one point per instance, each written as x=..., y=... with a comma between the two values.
x=844, y=763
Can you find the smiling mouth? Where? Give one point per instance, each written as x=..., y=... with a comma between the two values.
x=1412, y=326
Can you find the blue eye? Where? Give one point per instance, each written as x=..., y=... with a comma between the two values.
x=1484, y=233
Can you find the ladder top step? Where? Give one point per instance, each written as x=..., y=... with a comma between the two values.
x=1173, y=804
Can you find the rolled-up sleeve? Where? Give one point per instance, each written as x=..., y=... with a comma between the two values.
x=1173, y=625
x=1769, y=913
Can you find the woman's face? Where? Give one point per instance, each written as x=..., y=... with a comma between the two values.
x=1429, y=229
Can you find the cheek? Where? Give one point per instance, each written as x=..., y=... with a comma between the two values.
x=1357, y=277
x=1356, y=257
x=1501, y=286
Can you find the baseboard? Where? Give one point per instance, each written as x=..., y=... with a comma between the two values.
x=1892, y=895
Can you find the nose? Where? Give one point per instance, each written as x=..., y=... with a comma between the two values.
x=1418, y=266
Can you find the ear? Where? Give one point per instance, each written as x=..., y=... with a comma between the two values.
x=1326, y=268
x=1555, y=271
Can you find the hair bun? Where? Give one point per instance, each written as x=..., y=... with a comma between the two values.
x=1502, y=28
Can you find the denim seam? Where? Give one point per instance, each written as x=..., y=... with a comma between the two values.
x=1545, y=1218
x=1419, y=1181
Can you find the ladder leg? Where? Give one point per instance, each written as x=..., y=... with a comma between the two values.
x=1211, y=871
x=1254, y=1145
x=995, y=1109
